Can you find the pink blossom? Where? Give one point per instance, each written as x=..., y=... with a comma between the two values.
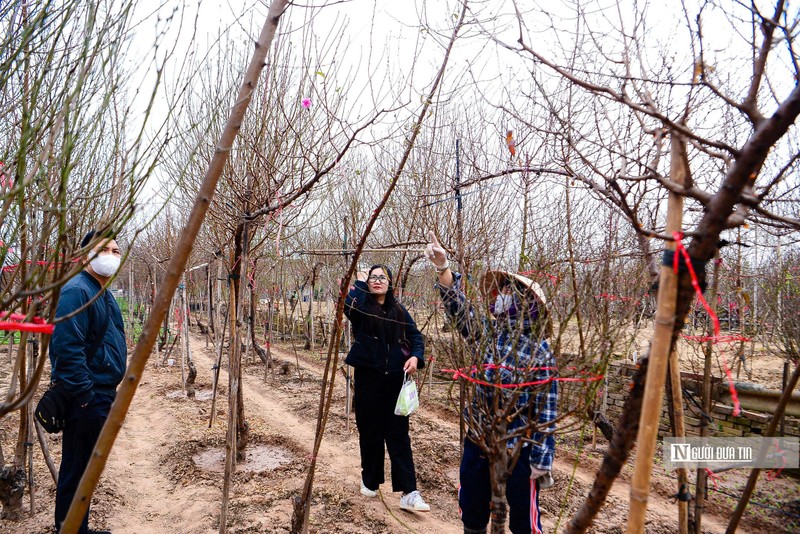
x=3, y=178
x=306, y=103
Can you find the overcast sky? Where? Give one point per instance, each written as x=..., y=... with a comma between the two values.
x=403, y=41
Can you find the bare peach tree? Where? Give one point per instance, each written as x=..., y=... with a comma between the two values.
x=618, y=90
x=73, y=156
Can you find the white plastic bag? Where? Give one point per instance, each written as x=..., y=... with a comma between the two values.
x=407, y=401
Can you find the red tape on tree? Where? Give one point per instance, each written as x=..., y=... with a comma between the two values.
x=16, y=322
x=715, y=320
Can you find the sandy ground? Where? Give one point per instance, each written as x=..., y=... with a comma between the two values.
x=164, y=474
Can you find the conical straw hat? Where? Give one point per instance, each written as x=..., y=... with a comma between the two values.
x=489, y=285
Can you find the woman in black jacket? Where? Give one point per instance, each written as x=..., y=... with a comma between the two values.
x=387, y=345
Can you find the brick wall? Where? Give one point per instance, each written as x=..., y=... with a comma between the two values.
x=747, y=423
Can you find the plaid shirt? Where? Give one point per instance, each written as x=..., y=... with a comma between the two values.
x=510, y=357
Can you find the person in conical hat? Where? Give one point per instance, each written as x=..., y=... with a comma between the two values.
x=513, y=343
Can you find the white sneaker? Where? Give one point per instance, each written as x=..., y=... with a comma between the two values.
x=366, y=492
x=414, y=502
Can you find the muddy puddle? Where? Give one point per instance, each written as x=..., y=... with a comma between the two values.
x=200, y=394
x=259, y=458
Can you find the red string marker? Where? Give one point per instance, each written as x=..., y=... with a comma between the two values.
x=468, y=375
x=715, y=320
x=17, y=322
x=714, y=478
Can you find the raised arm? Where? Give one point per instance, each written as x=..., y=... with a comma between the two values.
x=355, y=299
x=455, y=302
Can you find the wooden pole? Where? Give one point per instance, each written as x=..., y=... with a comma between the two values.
x=46, y=452
x=182, y=330
x=210, y=303
x=216, y=370
x=679, y=431
x=233, y=398
x=131, y=319
x=30, y=427
x=175, y=268
x=238, y=282
x=659, y=352
x=186, y=357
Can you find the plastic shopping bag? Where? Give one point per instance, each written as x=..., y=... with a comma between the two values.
x=407, y=401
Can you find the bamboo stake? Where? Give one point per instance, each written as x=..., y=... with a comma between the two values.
x=234, y=448
x=46, y=451
x=177, y=264
x=679, y=431
x=130, y=302
x=659, y=352
x=182, y=330
x=29, y=430
x=219, y=332
x=233, y=398
x=217, y=369
x=209, y=303
x=186, y=357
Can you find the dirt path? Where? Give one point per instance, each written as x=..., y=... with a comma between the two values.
x=151, y=501
x=282, y=413
x=164, y=474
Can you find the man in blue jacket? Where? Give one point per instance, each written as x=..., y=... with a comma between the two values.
x=88, y=358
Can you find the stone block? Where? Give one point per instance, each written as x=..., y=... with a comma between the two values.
x=757, y=417
x=727, y=410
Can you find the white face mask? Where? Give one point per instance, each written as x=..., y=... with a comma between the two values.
x=104, y=264
x=503, y=303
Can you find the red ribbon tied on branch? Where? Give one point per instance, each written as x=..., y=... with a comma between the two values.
x=679, y=248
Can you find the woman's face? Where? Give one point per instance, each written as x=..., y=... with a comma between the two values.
x=378, y=282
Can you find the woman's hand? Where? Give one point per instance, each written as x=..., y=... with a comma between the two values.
x=361, y=275
x=410, y=366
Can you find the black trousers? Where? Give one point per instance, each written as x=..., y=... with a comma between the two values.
x=475, y=493
x=375, y=397
x=80, y=435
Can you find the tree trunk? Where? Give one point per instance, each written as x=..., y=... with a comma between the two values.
x=13, y=477
x=498, y=475
x=617, y=455
x=12, y=488
x=259, y=350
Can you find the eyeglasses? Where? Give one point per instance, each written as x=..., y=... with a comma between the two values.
x=380, y=279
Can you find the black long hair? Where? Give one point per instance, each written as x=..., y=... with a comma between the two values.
x=388, y=320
